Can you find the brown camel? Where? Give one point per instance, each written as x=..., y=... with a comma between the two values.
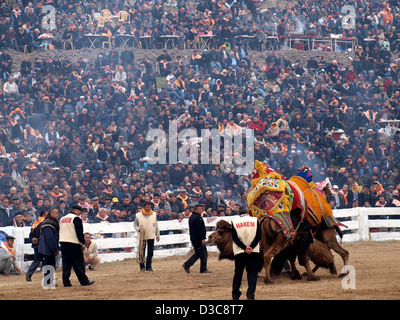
x=273, y=242
x=318, y=252
x=328, y=237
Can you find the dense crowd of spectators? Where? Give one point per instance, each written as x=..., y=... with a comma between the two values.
x=75, y=131
x=23, y=23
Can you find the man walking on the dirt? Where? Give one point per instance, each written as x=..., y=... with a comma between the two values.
x=71, y=241
x=197, y=231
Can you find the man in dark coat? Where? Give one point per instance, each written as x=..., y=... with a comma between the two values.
x=197, y=232
x=127, y=57
x=6, y=182
x=48, y=242
x=6, y=213
x=34, y=236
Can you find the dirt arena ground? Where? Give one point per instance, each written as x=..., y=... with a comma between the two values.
x=376, y=266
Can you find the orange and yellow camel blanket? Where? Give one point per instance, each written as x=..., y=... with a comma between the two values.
x=274, y=197
x=319, y=210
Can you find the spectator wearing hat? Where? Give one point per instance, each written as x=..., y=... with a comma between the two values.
x=95, y=207
x=370, y=156
x=106, y=202
x=175, y=203
x=62, y=208
x=7, y=258
x=45, y=106
x=125, y=191
x=206, y=201
x=183, y=196
x=115, y=203
x=193, y=199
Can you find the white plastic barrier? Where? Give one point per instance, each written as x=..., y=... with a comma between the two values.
x=118, y=241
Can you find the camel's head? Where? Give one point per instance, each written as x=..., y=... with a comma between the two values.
x=268, y=192
x=222, y=238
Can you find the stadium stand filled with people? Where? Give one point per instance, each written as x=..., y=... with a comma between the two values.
x=74, y=131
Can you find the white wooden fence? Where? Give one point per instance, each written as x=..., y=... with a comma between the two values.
x=118, y=241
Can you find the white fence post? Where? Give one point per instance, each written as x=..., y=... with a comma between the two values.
x=19, y=247
x=364, y=227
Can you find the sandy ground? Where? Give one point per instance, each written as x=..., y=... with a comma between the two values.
x=376, y=266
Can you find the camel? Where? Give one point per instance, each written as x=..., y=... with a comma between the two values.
x=327, y=224
x=281, y=209
x=291, y=212
x=319, y=252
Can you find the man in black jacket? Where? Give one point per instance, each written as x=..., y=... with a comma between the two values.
x=34, y=236
x=6, y=213
x=127, y=57
x=71, y=240
x=197, y=232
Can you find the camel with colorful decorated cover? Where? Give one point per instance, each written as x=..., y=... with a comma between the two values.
x=288, y=218
x=320, y=213
x=281, y=209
